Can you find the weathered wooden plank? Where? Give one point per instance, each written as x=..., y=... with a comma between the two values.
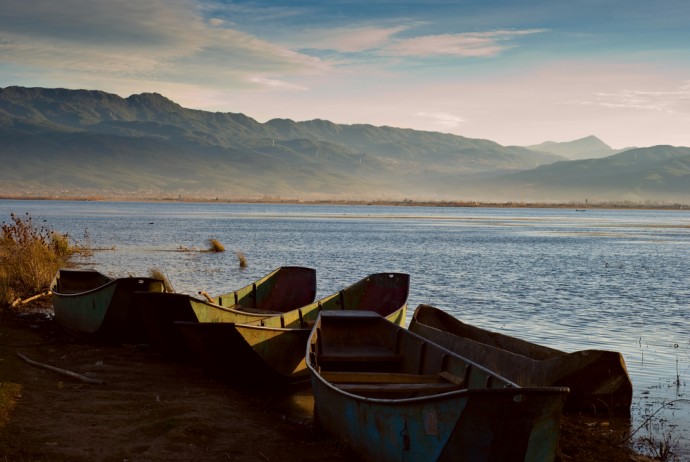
x=360, y=358
x=379, y=377
x=394, y=388
x=452, y=378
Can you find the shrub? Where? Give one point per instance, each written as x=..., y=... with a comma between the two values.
x=29, y=258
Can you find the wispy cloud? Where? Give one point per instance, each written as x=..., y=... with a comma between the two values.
x=277, y=84
x=147, y=23
x=442, y=120
x=164, y=41
x=350, y=39
x=387, y=41
x=470, y=44
x=674, y=101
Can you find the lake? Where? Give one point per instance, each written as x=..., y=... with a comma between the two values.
x=572, y=280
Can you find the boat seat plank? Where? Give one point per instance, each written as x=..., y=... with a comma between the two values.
x=397, y=388
x=339, y=377
x=368, y=353
x=452, y=378
x=363, y=358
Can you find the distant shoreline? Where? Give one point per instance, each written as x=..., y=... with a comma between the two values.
x=578, y=206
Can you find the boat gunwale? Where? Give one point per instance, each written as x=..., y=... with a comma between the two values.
x=511, y=385
x=439, y=316
x=517, y=390
x=252, y=287
x=233, y=310
x=560, y=354
x=280, y=329
x=564, y=368
x=95, y=289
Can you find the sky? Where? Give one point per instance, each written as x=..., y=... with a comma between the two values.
x=514, y=72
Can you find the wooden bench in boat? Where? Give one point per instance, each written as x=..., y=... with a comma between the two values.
x=252, y=310
x=391, y=383
x=366, y=354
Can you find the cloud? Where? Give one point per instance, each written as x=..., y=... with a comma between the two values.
x=147, y=23
x=276, y=84
x=217, y=22
x=386, y=41
x=673, y=101
x=442, y=119
x=158, y=42
x=346, y=39
x=470, y=44
x=254, y=12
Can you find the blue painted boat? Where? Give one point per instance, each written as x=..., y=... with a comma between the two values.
x=269, y=353
x=392, y=395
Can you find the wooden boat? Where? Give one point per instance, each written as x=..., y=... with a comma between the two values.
x=269, y=353
x=89, y=303
x=282, y=290
x=598, y=380
x=392, y=395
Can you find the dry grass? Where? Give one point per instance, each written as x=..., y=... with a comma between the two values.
x=215, y=246
x=158, y=274
x=29, y=258
x=242, y=259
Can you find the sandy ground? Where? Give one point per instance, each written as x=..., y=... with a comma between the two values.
x=150, y=409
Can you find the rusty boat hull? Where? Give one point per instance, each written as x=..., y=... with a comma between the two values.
x=269, y=353
x=598, y=379
x=91, y=304
x=284, y=289
x=392, y=395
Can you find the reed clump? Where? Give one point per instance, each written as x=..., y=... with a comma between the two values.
x=242, y=259
x=215, y=246
x=156, y=273
x=29, y=258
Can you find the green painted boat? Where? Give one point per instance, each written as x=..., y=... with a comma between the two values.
x=89, y=303
x=269, y=353
x=392, y=395
x=282, y=290
x=598, y=379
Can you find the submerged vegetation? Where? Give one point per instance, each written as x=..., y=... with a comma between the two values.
x=29, y=258
x=215, y=246
x=242, y=259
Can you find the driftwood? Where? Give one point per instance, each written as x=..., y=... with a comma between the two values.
x=19, y=301
x=74, y=375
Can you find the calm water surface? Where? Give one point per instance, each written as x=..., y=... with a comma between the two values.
x=600, y=279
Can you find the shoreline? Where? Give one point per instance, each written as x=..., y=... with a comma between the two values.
x=150, y=408
x=577, y=206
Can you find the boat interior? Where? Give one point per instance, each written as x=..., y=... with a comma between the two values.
x=71, y=281
x=364, y=354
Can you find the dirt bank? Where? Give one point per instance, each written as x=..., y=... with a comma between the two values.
x=150, y=409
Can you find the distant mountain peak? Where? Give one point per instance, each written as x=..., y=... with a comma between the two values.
x=153, y=101
x=589, y=141
x=581, y=148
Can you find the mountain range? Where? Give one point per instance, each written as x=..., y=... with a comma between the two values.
x=73, y=143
